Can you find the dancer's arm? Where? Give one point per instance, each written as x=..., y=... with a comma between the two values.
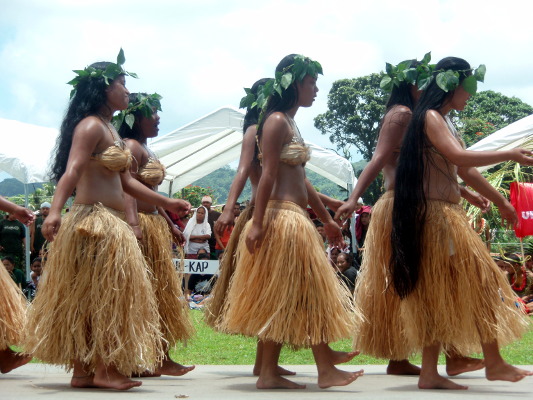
x=439, y=135
x=474, y=198
x=389, y=140
x=473, y=178
x=179, y=239
x=20, y=213
x=247, y=154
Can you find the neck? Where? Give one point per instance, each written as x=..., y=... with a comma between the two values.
x=105, y=113
x=292, y=112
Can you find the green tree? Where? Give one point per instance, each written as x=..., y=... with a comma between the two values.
x=193, y=194
x=487, y=112
x=355, y=108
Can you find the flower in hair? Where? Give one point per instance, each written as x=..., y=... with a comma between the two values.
x=145, y=104
x=110, y=73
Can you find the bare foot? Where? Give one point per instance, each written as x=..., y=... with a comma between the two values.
x=438, y=382
x=402, y=367
x=460, y=365
x=147, y=374
x=341, y=357
x=280, y=371
x=86, y=381
x=172, y=368
x=336, y=377
x=110, y=378
x=506, y=372
x=9, y=360
x=277, y=382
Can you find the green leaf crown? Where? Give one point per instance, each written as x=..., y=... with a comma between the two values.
x=111, y=72
x=422, y=73
x=144, y=104
x=297, y=71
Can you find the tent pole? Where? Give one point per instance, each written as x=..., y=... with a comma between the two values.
x=27, y=236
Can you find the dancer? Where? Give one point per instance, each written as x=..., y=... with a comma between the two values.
x=12, y=304
x=452, y=292
x=95, y=312
x=283, y=290
x=157, y=231
x=249, y=167
x=380, y=333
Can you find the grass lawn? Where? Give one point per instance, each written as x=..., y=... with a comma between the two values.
x=210, y=347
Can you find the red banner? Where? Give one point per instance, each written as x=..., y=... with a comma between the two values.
x=522, y=201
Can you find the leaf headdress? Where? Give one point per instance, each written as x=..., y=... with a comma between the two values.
x=110, y=73
x=422, y=73
x=144, y=104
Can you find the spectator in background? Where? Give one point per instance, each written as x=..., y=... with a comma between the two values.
x=361, y=228
x=199, y=285
x=212, y=215
x=37, y=239
x=12, y=240
x=16, y=274
x=197, y=233
x=346, y=271
x=236, y=209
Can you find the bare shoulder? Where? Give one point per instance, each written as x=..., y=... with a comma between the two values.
x=399, y=114
x=278, y=126
x=90, y=128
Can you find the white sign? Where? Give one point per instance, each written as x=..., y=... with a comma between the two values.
x=209, y=267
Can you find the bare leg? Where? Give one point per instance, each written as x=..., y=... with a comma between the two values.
x=457, y=364
x=81, y=377
x=269, y=378
x=9, y=360
x=497, y=369
x=429, y=376
x=108, y=377
x=402, y=367
x=328, y=374
x=259, y=358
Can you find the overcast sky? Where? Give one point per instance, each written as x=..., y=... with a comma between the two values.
x=200, y=54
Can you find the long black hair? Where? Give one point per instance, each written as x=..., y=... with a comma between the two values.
x=252, y=114
x=134, y=132
x=409, y=210
x=89, y=98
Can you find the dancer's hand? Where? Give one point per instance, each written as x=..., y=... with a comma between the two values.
x=51, y=226
x=508, y=214
x=522, y=156
x=137, y=231
x=179, y=206
x=23, y=215
x=334, y=235
x=179, y=239
x=344, y=212
x=254, y=238
x=224, y=221
x=476, y=200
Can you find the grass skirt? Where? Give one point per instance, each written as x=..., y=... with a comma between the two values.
x=12, y=311
x=380, y=333
x=287, y=292
x=95, y=301
x=461, y=299
x=156, y=246
x=217, y=300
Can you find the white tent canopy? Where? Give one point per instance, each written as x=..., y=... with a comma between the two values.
x=512, y=136
x=200, y=147
x=26, y=150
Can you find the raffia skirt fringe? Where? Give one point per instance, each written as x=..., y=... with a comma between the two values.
x=95, y=301
x=12, y=311
x=461, y=299
x=380, y=333
x=217, y=300
x=156, y=245
x=286, y=291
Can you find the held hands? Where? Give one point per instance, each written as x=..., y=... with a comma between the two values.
x=334, y=235
x=51, y=226
x=179, y=206
x=254, y=238
x=24, y=215
x=344, y=212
